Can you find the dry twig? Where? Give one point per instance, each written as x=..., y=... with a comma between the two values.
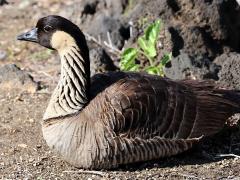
x=98, y=173
x=188, y=176
x=228, y=155
x=238, y=1
x=108, y=44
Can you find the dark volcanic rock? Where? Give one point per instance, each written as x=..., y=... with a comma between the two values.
x=98, y=18
x=199, y=32
x=187, y=67
x=205, y=28
x=2, y=2
x=12, y=77
x=102, y=25
x=100, y=61
x=229, y=75
x=209, y=27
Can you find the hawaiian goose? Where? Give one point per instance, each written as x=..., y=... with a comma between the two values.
x=121, y=117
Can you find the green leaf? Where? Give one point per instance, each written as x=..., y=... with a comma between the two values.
x=148, y=49
x=152, y=33
x=166, y=58
x=134, y=68
x=142, y=43
x=129, y=54
x=128, y=59
x=148, y=41
x=161, y=72
x=151, y=51
x=153, y=70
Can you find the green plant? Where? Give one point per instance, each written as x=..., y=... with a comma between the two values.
x=41, y=55
x=129, y=6
x=143, y=21
x=147, y=48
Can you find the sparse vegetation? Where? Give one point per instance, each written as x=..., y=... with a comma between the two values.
x=147, y=48
x=129, y=6
x=24, y=153
x=41, y=55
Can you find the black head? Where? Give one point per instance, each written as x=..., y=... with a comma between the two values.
x=54, y=32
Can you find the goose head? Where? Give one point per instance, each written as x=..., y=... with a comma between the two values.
x=57, y=33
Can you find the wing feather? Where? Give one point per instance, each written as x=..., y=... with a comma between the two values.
x=155, y=117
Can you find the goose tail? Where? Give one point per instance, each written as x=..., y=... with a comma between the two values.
x=214, y=110
x=233, y=98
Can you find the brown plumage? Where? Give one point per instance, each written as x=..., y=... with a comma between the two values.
x=122, y=117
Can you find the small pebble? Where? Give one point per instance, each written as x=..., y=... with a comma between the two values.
x=31, y=160
x=22, y=145
x=24, y=4
x=31, y=120
x=39, y=146
x=3, y=55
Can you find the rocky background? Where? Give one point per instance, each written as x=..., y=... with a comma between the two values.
x=204, y=37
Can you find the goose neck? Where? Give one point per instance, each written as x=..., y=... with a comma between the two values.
x=71, y=93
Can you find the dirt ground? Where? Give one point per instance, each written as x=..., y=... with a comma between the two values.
x=25, y=155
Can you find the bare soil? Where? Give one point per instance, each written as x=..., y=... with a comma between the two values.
x=25, y=155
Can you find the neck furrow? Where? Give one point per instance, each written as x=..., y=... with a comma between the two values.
x=70, y=95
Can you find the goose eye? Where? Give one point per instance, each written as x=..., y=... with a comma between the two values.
x=47, y=28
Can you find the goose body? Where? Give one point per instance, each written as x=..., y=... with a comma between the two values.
x=118, y=117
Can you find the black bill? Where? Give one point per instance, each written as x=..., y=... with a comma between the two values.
x=29, y=36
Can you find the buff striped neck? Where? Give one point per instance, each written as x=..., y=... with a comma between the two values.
x=70, y=95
